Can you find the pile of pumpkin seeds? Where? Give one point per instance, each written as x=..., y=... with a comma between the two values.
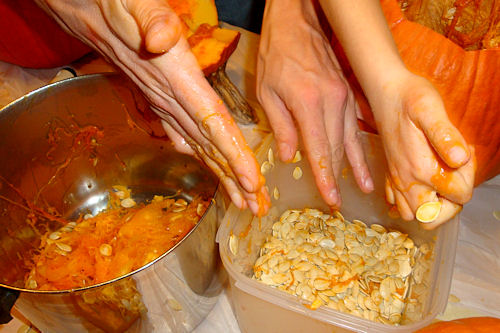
x=328, y=261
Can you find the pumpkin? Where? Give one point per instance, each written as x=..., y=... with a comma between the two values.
x=468, y=80
x=474, y=25
x=466, y=325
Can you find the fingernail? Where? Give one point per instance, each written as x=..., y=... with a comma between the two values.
x=237, y=199
x=333, y=197
x=247, y=185
x=254, y=207
x=285, y=151
x=458, y=154
x=368, y=182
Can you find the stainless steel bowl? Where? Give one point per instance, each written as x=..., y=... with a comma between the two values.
x=47, y=161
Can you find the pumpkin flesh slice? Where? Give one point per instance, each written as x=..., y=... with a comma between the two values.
x=210, y=44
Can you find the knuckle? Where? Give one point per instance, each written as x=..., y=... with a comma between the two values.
x=352, y=137
x=339, y=89
x=283, y=132
x=263, y=95
x=309, y=96
x=464, y=197
x=317, y=148
x=337, y=152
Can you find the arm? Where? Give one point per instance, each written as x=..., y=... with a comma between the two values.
x=428, y=158
x=301, y=87
x=143, y=38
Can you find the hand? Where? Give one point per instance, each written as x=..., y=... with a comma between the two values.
x=428, y=158
x=144, y=39
x=299, y=80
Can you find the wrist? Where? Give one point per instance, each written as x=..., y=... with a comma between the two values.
x=290, y=11
x=287, y=21
x=384, y=92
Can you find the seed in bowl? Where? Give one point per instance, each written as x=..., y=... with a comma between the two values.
x=122, y=238
x=328, y=261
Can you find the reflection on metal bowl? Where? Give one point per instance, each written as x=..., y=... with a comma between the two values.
x=63, y=147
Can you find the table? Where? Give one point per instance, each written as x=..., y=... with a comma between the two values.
x=475, y=289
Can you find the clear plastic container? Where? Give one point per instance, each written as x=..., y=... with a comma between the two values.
x=261, y=308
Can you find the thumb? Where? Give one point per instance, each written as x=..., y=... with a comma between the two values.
x=159, y=24
x=442, y=134
x=448, y=210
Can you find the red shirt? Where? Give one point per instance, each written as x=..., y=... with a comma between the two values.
x=30, y=38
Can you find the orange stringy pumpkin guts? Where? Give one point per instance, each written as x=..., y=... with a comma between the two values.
x=121, y=239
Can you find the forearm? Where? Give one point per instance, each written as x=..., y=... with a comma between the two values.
x=362, y=30
x=283, y=13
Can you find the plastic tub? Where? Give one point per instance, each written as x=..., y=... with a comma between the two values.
x=261, y=308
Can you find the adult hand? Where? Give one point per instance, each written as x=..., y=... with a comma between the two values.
x=299, y=81
x=144, y=39
x=427, y=156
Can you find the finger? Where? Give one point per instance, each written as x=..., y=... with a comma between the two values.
x=334, y=108
x=449, y=210
x=187, y=129
x=389, y=192
x=258, y=202
x=209, y=114
x=281, y=123
x=179, y=142
x=227, y=181
x=418, y=194
x=403, y=206
x=456, y=185
x=444, y=137
x=318, y=148
x=354, y=148
x=160, y=26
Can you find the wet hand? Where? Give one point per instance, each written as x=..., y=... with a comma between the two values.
x=301, y=88
x=144, y=39
x=428, y=158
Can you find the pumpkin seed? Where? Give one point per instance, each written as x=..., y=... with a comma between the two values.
x=297, y=173
x=32, y=284
x=327, y=260
x=233, y=244
x=270, y=156
x=266, y=167
x=121, y=194
x=200, y=210
x=127, y=203
x=64, y=247
x=55, y=235
x=180, y=202
x=428, y=212
x=276, y=193
x=105, y=249
x=297, y=157
x=179, y=209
